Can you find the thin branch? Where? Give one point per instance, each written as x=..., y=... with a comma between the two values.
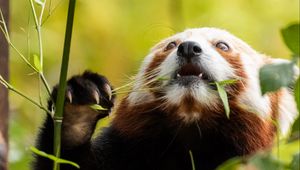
x=35, y=18
x=28, y=35
x=50, y=12
x=39, y=30
x=10, y=87
x=42, y=12
x=38, y=24
x=45, y=83
x=37, y=21
x=23, y=57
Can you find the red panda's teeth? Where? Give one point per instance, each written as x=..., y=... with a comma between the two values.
x=200, y=75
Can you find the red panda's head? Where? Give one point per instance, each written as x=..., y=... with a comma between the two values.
x=180, y=72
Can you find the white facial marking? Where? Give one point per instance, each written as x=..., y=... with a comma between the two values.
x=205, y=95
x=174, y=94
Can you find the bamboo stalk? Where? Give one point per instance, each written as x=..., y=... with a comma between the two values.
x=58, y=116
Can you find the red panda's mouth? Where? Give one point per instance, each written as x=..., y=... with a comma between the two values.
x=192, y=70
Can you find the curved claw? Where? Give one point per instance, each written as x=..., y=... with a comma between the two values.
x=108, y=91
x=96, y=96
x=69, y=96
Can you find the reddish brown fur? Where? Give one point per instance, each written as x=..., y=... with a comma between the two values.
x=250, y=132
x=274, y=99
x=258, y=131
x=131, y=120
x=159, y=57
x=246, y=128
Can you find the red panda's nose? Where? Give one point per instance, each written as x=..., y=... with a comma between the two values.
x=189, y=49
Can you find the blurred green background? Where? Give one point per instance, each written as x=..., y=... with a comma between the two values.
x=112, y=37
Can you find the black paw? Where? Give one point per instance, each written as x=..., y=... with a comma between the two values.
x=80, y=118
x=89, y=89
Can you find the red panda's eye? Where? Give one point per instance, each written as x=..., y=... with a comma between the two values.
x=223, y=46
x=171, y=45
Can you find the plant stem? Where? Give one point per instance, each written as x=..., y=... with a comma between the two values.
x=39, y=31
x=45, y=83
x=10, y=87
x=40, y=46
x=51, y=11
x=22, y=56
x=58, y=116
x=38, y=25
x=33, y=12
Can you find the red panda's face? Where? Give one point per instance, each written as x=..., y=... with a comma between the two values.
x=181, y=70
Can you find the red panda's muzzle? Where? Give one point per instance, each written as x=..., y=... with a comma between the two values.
x=192, y=73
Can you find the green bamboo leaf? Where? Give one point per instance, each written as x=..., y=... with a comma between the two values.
x=37, y=63
x=224, y=98
x=227, y=82
x=290, y=35
x=53, y=158
x=274, y=76
x=192, y=160
x=97, y=107
x=285, y=150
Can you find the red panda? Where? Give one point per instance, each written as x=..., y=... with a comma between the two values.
x=174, y=109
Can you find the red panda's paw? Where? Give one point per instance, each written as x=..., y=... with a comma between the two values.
x=89, y=89
x=88, y=98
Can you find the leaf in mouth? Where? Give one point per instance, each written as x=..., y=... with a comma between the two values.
x=224, y=98
x=223, y=94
